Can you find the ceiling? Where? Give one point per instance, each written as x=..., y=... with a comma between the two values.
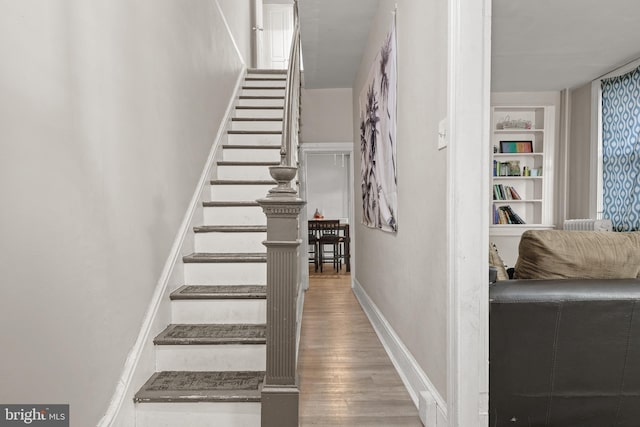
x=542, y=45
x=537, y=45
x=334, y=34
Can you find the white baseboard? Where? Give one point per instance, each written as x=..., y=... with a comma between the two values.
x=140, y=362
x=412, y=375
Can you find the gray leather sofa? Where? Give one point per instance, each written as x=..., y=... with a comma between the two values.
x=564, y=344
x=565, y=353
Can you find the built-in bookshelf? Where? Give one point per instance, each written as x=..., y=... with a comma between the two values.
x=522, y=139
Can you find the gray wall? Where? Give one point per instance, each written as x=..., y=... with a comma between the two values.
x=239, y=17
x=579, y=165
x=327, y=115
x=109, y=109
x=328, y=185
x=405, y=274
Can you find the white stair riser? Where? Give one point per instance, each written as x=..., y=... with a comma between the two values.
x=257, y=125
x=267, y=75
x=258, y=112
x=264, y=83
x=226, y=311
x=239, y=192
x=252, y=215
x=263, y=92
x=236, y=242
x=203, y=414
x=279, y=102
x=251, y=155
x=223, y=273
x=243, y=172
x=254, y=139
x=224, y=357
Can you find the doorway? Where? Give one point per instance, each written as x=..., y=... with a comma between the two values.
x=278, y=31
x=328, y=189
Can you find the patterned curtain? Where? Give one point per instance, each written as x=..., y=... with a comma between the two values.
x=621, y=150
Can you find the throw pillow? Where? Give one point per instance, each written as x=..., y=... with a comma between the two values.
x=496, y=261
x=561, y=254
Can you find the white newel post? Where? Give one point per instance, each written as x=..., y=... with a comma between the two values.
x=280, y=393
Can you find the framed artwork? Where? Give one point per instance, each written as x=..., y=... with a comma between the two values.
x=378, y=140
x=516, y=147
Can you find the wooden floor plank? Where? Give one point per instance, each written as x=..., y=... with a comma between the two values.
x=346, y=377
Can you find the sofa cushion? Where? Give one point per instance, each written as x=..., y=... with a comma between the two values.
x=560, y=254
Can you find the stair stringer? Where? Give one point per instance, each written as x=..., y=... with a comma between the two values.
x=141, y=360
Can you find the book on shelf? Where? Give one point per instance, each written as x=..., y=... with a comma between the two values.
x=506, y=215
x=508, y=168
x=514, y=217
x=505, y=192
x=504, y=219
x=514, y=194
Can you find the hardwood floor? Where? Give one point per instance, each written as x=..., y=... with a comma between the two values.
x=346, y=377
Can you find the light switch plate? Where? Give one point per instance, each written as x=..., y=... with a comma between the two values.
x=443, y=134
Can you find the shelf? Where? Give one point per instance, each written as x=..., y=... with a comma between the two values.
x=517, y=154
x=536, y=204
x=517, y=177
x=526, y=226
x=517, y=130
x=510, y=108
x=516, y=229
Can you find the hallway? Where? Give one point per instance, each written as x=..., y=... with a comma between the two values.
x=346, y=377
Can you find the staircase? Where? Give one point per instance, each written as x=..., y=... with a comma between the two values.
x=210, y=360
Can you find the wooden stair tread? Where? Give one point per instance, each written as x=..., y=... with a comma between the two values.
x=230, y=204
x=243, y=163
x=256, y=119
x=260, y=97
x=200, y=292
x=210, y=257
x=204, y=386
x=258, y=107
x=242, y=182
x=230, y=229
x=264, y=87
x=266, y=71
x=212, y=334
x=254, y=132
x=274, y=78
x=252, y=147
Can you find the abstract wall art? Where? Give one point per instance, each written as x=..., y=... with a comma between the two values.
x=378, y=140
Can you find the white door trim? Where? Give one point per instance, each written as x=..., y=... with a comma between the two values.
x=334, y=148
x=258, y=35
x=469, y=63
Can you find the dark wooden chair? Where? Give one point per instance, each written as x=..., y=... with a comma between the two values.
x=314, y=255
x=329, y=235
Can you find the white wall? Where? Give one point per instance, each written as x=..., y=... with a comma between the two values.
x=405, y=274
x=108, y=109
x=239, y=17
x=328, y=185
x=579, y=176
x=528, y=99
x=327, y=115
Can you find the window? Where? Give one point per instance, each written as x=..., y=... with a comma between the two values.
x=620, y=145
